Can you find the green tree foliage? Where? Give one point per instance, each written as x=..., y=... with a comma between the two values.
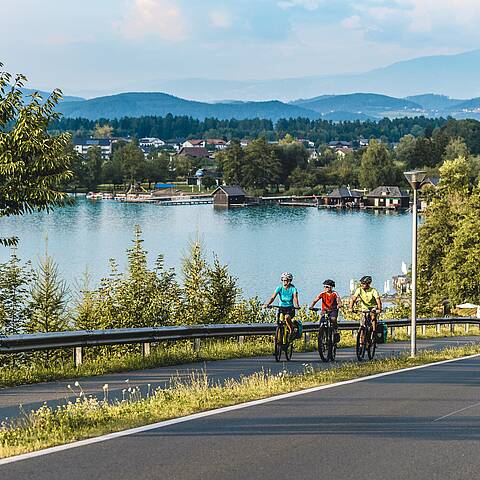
x=15, y=279
x=141, y=297
x=47, y=306
x=448, y=250
x=222, y=293
x=102, y=131
x=94, y=164
x=33, y=163
x=195, y=285
x=376, y=167
x=456, y=148
x=231, y=162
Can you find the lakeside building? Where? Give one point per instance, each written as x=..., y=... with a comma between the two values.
x=228, y=196
x=194, y=143
x=389, y=197
x=343, y=197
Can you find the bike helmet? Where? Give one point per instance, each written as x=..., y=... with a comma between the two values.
x=329, y=282
x=367, y=279
x=286, y=276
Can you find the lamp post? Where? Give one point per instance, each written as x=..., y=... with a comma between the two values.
x=415, y=179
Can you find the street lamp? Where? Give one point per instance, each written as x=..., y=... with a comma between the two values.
x=415, y=179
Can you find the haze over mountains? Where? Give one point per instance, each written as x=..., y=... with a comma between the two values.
x=452, y=75
x=448, y=76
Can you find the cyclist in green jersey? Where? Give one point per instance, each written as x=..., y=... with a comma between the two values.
x=368, y=299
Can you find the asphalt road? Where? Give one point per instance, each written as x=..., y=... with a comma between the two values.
x=54, y=393
x=422, y=423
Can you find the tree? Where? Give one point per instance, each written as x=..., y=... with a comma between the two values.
x=102, y=131
x=222, y=293
x=231, y=162
x=131, y=160
x=195, y=284
x=48, y=302
x=406, y=152
x=376, y=167
x=448, y=223
x=456, y=148
x=15, y=279
x=94, y=164
x=262, y=167
x=33, y=163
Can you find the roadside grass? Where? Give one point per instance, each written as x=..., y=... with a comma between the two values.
x=115, y=360
x=89, y=417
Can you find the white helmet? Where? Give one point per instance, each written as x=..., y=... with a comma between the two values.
x=286, y=276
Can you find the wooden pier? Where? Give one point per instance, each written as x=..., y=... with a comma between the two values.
x=190, y=201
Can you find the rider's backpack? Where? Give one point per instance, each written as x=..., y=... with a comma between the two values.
x=381, y=332
x=297, y=328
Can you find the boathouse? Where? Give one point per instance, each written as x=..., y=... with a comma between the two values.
x=387, y=197
x=343, y=197
x=227, y=196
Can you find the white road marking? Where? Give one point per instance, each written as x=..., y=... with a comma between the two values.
x=188, y=418
x=456, y=411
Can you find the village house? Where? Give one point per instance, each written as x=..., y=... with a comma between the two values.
x=195, y=152
x=387, y=197
x=194, y=143
x=82, y=145
x=151, y=142
x=216, y=143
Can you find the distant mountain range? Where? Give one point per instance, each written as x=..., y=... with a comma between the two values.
x=66, y=98
x=355, y=106
x=452, y=75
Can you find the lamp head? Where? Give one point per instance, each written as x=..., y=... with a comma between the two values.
x=415, y=178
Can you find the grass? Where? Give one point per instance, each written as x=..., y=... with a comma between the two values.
x=114, y=360
x=89, y=417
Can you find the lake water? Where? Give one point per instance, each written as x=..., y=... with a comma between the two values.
x=257, y=243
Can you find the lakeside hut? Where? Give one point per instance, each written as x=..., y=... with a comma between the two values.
x=387, y=197
x=343, y=197
x=228, y=196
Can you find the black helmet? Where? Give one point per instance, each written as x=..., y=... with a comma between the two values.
x=329, y=282
x=367, y=279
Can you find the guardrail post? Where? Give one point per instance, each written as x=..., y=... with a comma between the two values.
x=306, y=338
x=196, y=345
x=146, y=349
x=408, y=330
x=452, y=328
x=424, y=329
x=467, y=328
x=241, y=339
x=438, y=327
x=77, y=356
x=392, y=332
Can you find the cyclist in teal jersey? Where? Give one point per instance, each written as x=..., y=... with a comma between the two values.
x=288, y=296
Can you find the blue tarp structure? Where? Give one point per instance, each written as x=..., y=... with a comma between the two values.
x=164, y=185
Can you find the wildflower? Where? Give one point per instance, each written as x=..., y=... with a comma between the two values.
x=77, y=384
x=105, y=387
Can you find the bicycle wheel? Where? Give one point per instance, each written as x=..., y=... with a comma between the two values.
x=278, y=343
x=332, y=351
x=323, y=343
x=360, y=347
x=372, y=344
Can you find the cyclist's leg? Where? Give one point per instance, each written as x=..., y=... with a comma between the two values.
x=362, y=330
x=373, y=317
x=334, y=321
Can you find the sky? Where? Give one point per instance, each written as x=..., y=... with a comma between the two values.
x=93, y=47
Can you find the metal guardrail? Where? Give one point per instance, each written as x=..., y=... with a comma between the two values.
x=91, y=338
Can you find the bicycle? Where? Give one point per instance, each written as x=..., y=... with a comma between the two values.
x=283, y=335
x=366, y=331
x=326, y=344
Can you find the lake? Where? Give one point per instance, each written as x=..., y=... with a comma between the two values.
x=258, y=243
